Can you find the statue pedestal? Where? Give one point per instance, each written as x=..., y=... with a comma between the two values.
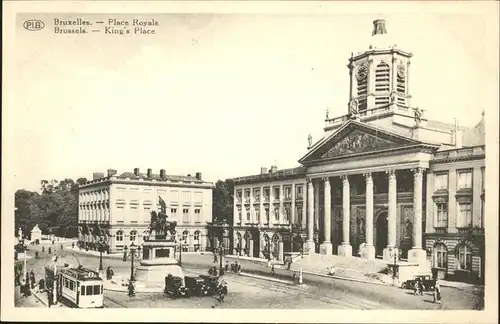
x=158, y=262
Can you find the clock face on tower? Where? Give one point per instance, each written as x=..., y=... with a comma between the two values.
x=362, y=72
x=401, y=71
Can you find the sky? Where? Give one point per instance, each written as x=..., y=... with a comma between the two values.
x=221, y=94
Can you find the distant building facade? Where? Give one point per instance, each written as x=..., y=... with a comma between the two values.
x=383, y=180
x=117, y=208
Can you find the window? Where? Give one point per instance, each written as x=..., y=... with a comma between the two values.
x=441, y=182
x=133, y=236
x=276, y=214
x=276, y=193
x=248, y=215
x=256, y=193
x=97, y=289
x=197, y=215
x=247, y=194
x=267, y=214
x=134, y=204
x=465, y=258
x=88, y=291
x=145, y=235
x=266, y=193
x=382, y=81
x=441, y=260
x=464, y=179
x=197, y=236
x=72, y=285
x=299, y=215
x=298, y=192
x=257, y=215
x=173, y=212
x=119, y=236
x=238, y=194
x=239, y=215
x=482, y=179
x=287, y=214
x=288, y=193
x=464, y=218
x=83, y=290
x=185, y=235
x=185, y=215
x=441, y=215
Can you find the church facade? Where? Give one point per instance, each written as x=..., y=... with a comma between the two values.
x=384, y=180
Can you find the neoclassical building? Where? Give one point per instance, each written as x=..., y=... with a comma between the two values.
x=383, y=180
x=117, y=208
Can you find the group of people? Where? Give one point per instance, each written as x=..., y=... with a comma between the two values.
x=418, y=290
x=28, y=284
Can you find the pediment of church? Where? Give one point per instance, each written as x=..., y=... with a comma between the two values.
x=355, y=138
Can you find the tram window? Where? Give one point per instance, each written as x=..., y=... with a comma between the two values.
x=83, y=290
x=89, y=290
x=71, y=285
x=97, y=289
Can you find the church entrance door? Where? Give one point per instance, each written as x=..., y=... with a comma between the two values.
x=381, y=233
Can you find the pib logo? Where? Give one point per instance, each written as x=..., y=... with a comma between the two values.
x=33, y=25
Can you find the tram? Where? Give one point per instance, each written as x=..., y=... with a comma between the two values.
x=78, y=287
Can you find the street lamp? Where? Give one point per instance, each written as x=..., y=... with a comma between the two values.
x=221, y=253
x=132, y=256
x=180, y=251
x=101, y=248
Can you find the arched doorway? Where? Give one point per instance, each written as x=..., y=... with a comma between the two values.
x=381, y=233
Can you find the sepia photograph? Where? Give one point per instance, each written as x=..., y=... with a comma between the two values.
x=249, y=157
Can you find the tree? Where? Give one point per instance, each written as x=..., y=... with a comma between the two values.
x=222, y=206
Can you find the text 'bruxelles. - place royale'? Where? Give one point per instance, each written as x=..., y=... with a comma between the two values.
x=110, y=26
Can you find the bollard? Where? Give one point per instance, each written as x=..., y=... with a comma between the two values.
x=300, y=277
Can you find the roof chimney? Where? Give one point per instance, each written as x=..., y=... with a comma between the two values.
x=189, y=174
x=198, y=175
x=162, y=173
x=111, y=172
x=274, y=169
x=97, y=175
x=263, y=170
x=136, y=171
x=457, y=135
x=379, y=27
x=150, y=173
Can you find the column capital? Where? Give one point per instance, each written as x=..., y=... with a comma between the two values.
x=391, y=174
x=326, y=181
x=345, y=179
x=418, y=172
x=368, y=177
x=309, y=182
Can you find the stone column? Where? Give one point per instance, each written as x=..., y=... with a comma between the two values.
x=417, y=254
x=316, y=204
x=281, y=212
x=370, y=89
x=250, y=248
x=352, y=84
x=326, y=246
x=392, y=223
x=262, y=214
x=292, y=208
x=346, y=249
x=310, y=217
x=252, y=213
x=369, y=250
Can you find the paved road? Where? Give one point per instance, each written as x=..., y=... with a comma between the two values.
x=245, y=292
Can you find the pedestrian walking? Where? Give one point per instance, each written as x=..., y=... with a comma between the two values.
x=437, y=293
x=272, y=269
x=32, y=279
x=226, y=266
x=41, y=285
x=16, y=256
x=62, y=247
x=36, y=255
x=73, y=245
x=215, y=257
x=109, y=273
x=43, y=248
x=50, y=250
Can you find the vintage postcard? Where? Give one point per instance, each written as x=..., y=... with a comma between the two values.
x=250, y=161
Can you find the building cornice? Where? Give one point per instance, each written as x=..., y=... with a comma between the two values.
x=167, y=183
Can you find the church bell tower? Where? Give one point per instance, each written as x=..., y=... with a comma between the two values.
x=379, y=76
